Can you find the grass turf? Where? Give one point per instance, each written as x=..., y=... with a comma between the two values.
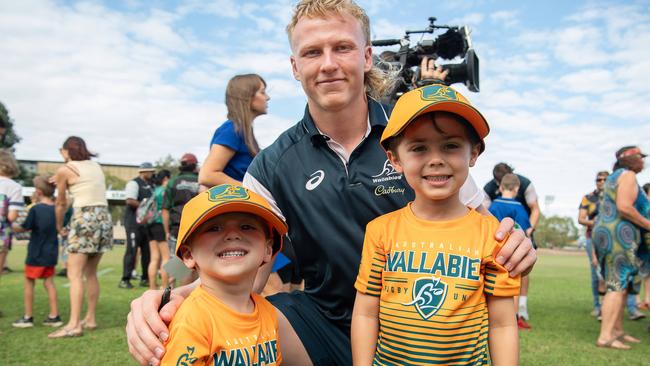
x=559, y=304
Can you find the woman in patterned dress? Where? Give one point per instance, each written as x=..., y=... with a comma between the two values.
x=90, y=233
x=616, y=237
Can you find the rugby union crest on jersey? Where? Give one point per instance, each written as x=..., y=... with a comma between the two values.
x=429, y=295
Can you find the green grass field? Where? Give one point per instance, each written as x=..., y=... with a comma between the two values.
x=563, y=331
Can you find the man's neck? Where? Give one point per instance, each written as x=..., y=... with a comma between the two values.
x=346, y=126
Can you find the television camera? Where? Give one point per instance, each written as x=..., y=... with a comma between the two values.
x=404, y=63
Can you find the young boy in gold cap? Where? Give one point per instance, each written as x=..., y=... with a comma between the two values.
x=428, y=270
x=226, y=233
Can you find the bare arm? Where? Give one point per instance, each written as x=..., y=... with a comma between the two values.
x=133, y=203
x=165, y=222
x=582, y=218
x=503, y=337
x=534, y=214
x=146, y=328
x=60, y=204
x=17, y=228
x=625, y=196
x=365, y=329
x=211, y=173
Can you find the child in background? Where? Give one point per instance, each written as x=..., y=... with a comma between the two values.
x=507, y=206
x=226, y=233
x=11, y=202
x=428, y=270
x=42, y=252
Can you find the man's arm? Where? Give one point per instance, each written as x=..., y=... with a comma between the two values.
x=583, y=218
x=517, y=255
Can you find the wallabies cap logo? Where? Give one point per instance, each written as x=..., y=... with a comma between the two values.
x=227, y=193
x=429, y=295
x=186, y=359
x=440, y=93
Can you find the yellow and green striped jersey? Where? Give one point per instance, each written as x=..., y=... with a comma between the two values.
x=432, y=278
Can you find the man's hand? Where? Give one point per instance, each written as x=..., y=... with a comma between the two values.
x=146, y=328
x=429, y=70
x=517, y=255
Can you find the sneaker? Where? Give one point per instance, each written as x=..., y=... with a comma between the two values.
x=595, y=312
x=24, y=322
x=144, y=283
x=62, y=273
x=53, y=321
x=636, y=315
x=134, y=275
x=6, y=270
x=522, y=324
x=125, y=284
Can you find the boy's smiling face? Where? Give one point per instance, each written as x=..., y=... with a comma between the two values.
x=435, y=159
x=229, y=247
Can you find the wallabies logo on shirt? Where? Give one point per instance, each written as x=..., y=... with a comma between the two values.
x=228, y=192
x=186, y=359
x=429, y=295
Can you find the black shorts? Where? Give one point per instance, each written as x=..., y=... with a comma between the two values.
x=156, y=232
x=325, y=343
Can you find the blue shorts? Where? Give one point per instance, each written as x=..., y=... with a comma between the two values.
x=325, y=343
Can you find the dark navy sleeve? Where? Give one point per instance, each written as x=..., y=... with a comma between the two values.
x=28, y=224
x=225, y=135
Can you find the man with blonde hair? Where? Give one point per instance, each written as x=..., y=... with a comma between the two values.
x=327, y=177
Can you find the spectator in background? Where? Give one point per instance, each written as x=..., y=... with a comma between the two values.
x=527, y=196
x=644, y=255
x=11, y=202
x=178, y=191
x=616, y=238
x=158, y=249
x=42, y=252
x=233, y=144
x=90, y=234
x=136, y=190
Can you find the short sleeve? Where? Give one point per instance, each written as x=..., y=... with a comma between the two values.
x=584, y=204
x=497, y=280
x=531, y=194
x=28, y=224
x=373, y=259
x=131, y=190
x=227, y=136
x=15, y=194
x=186, y=346
x=470, y=194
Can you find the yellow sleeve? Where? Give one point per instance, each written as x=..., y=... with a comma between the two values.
x=372, y=264
x=186, y=346
x=497, y=280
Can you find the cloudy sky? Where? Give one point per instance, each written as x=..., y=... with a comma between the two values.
x=563, y=84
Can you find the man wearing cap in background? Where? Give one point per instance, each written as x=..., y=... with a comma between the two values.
x=136, y=190
x=180, y=189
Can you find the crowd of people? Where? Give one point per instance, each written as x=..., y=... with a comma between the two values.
x=362, y=203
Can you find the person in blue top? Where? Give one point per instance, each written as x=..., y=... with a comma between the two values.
x=508, y=206
x=233, y=144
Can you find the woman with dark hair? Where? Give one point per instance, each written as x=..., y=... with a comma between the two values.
x=158, y=248
x=233, y=145
x=90, y=233
x=616, y=237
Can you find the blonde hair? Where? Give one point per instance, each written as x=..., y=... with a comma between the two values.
x=509, y=182
x=8, y=165
x=240, y=91
x=377, y=82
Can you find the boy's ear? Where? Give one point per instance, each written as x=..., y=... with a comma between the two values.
x=476, y=149
x=268, y=251
x=394, y=161
x=186, y=256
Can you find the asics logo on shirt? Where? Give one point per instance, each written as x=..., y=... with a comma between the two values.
x=316, y=178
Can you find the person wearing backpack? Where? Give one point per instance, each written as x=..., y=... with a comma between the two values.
x=136, y=191
x=159, y=252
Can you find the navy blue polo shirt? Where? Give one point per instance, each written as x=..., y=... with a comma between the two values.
x=328, y=203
